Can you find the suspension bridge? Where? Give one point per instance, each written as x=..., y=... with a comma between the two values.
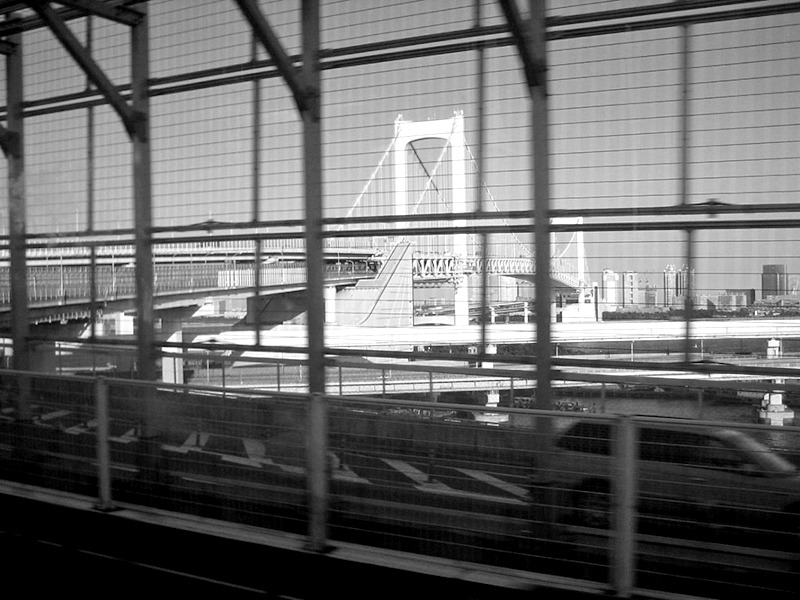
x=411, y=178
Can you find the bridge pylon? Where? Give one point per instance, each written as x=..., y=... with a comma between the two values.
x=452, y=131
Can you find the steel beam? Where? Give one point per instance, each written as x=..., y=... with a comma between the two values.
x=142, y=198
x=119, y=14
x=71, y=44
x=536, y=51
x=315, y=265
x=534, y=48
x=9, y=142
x=20, y=326
x=683, y=179
x=532, y=63
x=294, y=78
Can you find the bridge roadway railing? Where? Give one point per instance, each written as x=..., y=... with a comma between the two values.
x=621, y=507
x=59, y=284
x=444, y=266
x=55, y=250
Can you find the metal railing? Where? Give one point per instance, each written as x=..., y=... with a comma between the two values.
x=617, y=503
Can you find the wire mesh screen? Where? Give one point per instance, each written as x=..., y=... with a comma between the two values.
x=199, y=198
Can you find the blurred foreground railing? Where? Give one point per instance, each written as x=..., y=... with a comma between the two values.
x=623, y=504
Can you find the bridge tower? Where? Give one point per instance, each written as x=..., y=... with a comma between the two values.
x=452, y=131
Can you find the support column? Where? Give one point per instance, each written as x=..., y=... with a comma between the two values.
x=461, y=301
x=142, y=195
x=688, y=304
x=400, y=173
x=489, y=349
x=530, y=39
x=142, y=199
x=123, y=324
x=172, y=362
x=317, y=442
x=541, y=200
x=305, y=85
x=14, y=149
x=330, y=304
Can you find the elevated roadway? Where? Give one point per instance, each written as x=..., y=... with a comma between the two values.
x=404, y=338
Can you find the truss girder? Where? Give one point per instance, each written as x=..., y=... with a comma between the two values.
x=446, y=268
x=119, y=14
x=534, y=69
x=64, y=35
x=303, y=93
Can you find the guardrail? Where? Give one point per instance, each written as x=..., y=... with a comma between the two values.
x=621, y=504
x=59, y=284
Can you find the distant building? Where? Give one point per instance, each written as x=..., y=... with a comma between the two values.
x=749, y=295
x=733, y=301
x=630, y=290
x=670, y=285
x=648, y=293
x=609, y=292
x=677, y=284
x=774, y=281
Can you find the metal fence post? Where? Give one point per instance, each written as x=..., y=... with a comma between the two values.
x=700, y=403
x=103, y=451
x=624, y=518
x=317, y=453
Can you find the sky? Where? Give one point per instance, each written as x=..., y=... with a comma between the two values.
x=614, y=125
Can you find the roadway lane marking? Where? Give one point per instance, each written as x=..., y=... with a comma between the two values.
x=196, y=439
x=54, y=415
x=126, y=438
x=345, y=473
x=194, y=442
x=239, y=460
x=410, y=471
x=514, y=490
x=254, y=448
x=82, y=428
x=443, y=489
x=257, y=454
x=422, y=479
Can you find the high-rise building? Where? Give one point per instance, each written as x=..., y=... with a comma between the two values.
x=609, y=289
x=677, y=284
x=648, y=293
x=630, y=290
x=774, y=281
x=670, y=285
x=748, y=294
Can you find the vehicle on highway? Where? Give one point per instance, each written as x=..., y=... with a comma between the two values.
x=714, y=483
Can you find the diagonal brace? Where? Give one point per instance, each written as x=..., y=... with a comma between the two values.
x=7, y=47
x=9, y=142
x=88, y=64
x=303, y=93
x=119, y=14
x=534, y=69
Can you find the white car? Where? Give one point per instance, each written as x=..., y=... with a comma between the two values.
x=691, y=480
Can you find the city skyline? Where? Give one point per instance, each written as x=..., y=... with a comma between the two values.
x=775, y=281
x=614, y=130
